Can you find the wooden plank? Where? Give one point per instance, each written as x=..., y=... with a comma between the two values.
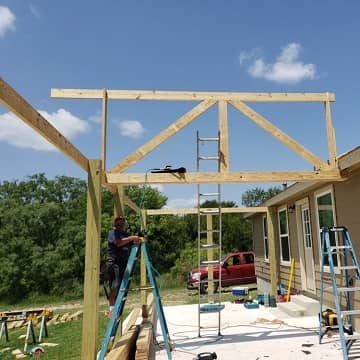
x=89, y=344
x=118, y=196
x=330, y=135
x=190, y=95
x=125, y=346
x=103, y=130
x=131, y=204
x=195, y=211
x=21, y=108
x=280, y=135
x=224, y=137
x=163, y=136
x=233, y=177
x=144, y=348
x=271, y=224
x=113, y=188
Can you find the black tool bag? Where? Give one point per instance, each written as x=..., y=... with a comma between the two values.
x=107, y=271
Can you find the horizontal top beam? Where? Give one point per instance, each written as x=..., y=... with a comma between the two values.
x=259, y=209
x=219, y=178
x=190, y=95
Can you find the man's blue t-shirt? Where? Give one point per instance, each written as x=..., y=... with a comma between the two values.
x=118, y=253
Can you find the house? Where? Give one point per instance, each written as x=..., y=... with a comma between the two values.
x=297, y=215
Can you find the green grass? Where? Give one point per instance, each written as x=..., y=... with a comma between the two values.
x=67, y=335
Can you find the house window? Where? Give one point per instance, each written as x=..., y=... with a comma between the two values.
x=326, y=218
x=284, y=236
x=306, y=227
x=266, y=243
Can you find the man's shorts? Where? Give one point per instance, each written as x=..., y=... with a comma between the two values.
x=119, y=270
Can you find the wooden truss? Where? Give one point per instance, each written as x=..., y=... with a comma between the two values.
x=324, y=170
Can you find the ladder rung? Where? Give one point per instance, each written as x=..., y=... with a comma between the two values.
x=211, y=308
x=350, y=312
x=138, y=288
x=353, y=288
x=208, y=158
x=209, y=231
x=337, y=229
x=210, y=194
x=342, y=247
x=349, y=267
x=210, y=262
x=208, y=139
x=210, y=246
x=352, y=337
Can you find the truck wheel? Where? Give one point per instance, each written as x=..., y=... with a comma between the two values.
x=204, y=286
x=216, y=286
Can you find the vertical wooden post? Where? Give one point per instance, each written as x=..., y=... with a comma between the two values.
x=330, y=134
x=271, y=221
x=103, y=130
x=224, y=137
x=119, y=201
x=143, y=271
x=210, y=256
x=92, y=262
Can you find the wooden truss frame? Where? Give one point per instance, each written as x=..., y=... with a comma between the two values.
x=324, y=170
x=116, y=178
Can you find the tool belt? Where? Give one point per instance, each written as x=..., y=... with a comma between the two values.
x=107, y=270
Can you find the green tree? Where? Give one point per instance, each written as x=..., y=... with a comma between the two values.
x=257, y=196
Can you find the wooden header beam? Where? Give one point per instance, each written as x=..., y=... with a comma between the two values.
x=21, y=108
x=190, y=95
x=215, y=177
x=187, y=211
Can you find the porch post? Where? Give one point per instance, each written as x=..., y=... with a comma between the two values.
x=92, y=259
x=271, y=221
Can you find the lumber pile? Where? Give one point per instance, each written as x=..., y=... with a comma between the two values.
x=136, y=340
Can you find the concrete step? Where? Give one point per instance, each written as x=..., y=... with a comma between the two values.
x=291, y=309
x=311, y=306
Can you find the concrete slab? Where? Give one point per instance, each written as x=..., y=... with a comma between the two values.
x=252, y=334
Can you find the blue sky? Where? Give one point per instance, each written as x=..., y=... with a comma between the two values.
x=245, y=46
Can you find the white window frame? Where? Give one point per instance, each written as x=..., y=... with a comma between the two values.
x=317, y=194
x=282, y=261
x=265, y=237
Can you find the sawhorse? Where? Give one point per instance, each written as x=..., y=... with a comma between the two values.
x=121, y=299
x=4, y=329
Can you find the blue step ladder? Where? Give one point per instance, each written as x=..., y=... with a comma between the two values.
x=337, y=248
x=121, y=299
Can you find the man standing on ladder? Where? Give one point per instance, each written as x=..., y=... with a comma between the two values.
x=119, y=243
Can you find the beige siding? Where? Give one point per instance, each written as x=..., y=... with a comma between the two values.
x=347, y=208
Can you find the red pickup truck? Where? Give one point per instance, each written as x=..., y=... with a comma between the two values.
x=236, y=268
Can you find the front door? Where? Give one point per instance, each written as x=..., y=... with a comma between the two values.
x=308, y=247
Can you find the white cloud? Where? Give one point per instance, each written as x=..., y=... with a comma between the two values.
x=96, y=118
x=287, y=69
x=248, y=55
x=179, y=203
x=15, y=132
x=131, y=128
x=7, y=20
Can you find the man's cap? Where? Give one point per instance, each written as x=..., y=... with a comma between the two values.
x=119, y=218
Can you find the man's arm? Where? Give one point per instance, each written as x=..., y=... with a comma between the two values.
x=126, y=240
